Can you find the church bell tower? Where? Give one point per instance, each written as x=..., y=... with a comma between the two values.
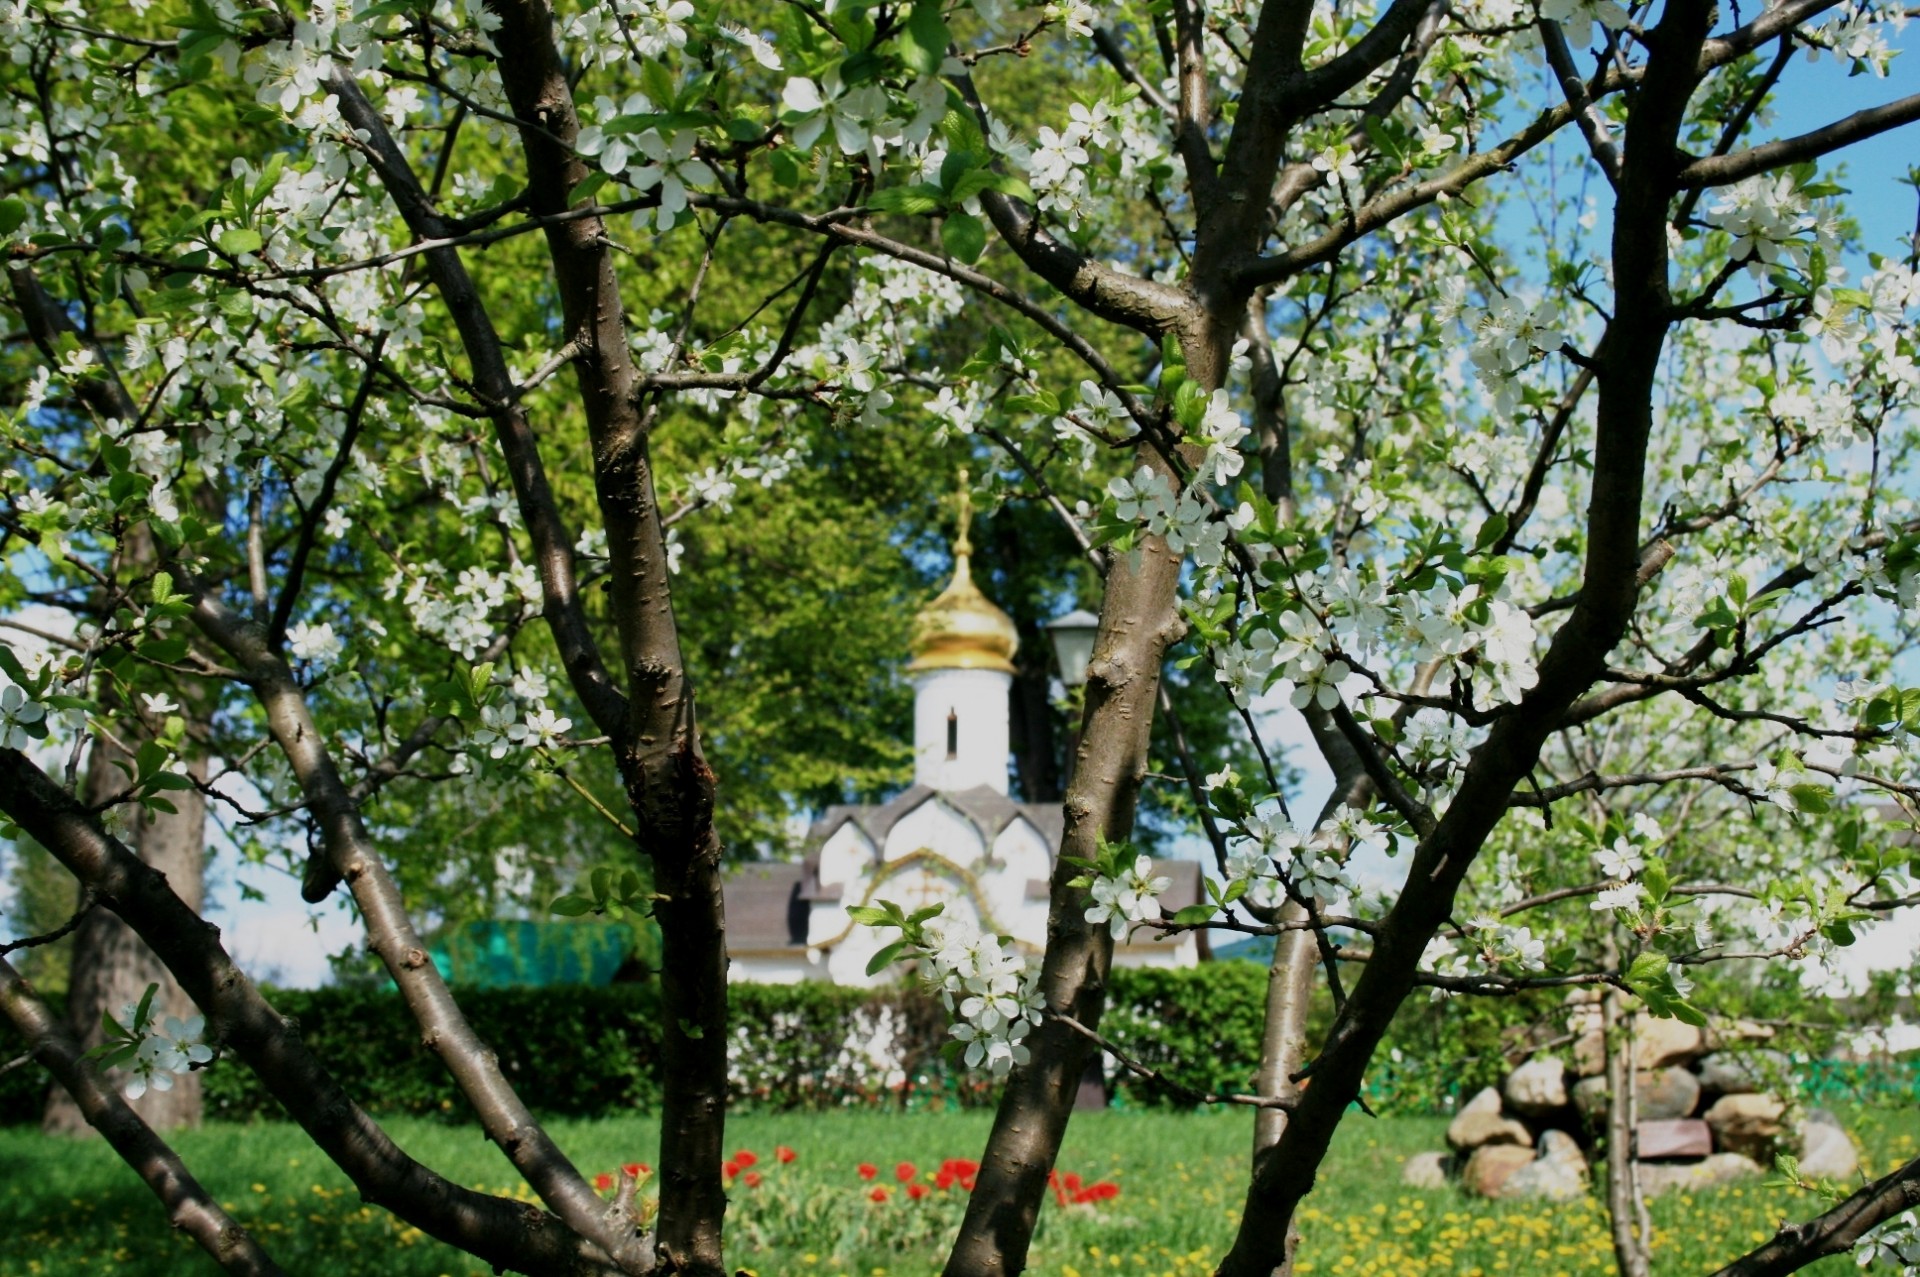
x=961, y=670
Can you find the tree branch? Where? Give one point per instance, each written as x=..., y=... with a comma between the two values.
x=352, y=856
x=498, y=1230
x=190, y=1208
x=1723, y=170
x=1833, y=1232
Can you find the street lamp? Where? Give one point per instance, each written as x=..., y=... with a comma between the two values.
x=1072, y=637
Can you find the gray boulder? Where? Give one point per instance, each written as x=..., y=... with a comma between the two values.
x=1470, y=1131
x=1742, y=1072
x=1537, y=1087
x=1559, y=1174
x=1428, y=1170
x=1826, y=1152
x=1491, y=1166
x=1658, y=1178
x=1659, y=1095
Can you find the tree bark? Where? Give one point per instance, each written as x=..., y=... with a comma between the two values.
x=112, y=967
x=1632, y=1246
x=1138, y=621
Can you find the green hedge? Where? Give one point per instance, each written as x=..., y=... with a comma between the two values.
x=583, y=1052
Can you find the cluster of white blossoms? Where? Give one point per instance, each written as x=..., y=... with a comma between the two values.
x=1619, y=863
x=1185, y=519
x=1276, y=858
x=607, y=34
x=503, y=729
x=174, y=1047
x=1508, y=332
x=1104, y=153
x=1476, y=639
x=1501, y=943
x=1132, y=896
x=315, y=644
x=865, y=119
x=481, y=601
x=644, y=159
x=1767, y=217
x=993, y=990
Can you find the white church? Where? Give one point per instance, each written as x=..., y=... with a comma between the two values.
x=955, y=836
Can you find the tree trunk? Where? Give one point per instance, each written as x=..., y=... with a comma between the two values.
x=1626, y=1208
x=113, y=967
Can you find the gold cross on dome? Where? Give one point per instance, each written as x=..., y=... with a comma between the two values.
x=963, y=516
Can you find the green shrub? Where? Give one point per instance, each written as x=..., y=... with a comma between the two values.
x=577, y=1051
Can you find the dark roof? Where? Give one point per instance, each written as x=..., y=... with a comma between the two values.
x=766, y=906
x=990, y=811
x=1185, y=889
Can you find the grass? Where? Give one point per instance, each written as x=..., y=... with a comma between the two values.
x=72, y=1208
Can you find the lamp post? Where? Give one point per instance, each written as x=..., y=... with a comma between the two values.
x=1072, y=638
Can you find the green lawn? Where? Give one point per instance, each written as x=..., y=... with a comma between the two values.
x=72, y=1208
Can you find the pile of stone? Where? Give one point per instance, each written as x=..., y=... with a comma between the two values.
x=1704, y=1115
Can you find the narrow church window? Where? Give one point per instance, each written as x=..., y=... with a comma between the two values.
x=953, y=734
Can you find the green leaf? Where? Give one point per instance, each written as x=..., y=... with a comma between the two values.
x=1687, y=1013
x=571, y=906
x=923, y=41
x=914, y=201
x=883, y=959
x=786, y=169
x=867, y=915
x=1193, y=915
x=1810, y=797
x=1647, y=968
x=166, y=651
x=964, y=236
x=586, y=188
x=239, y=239
x=1491, y=531
x=1656, y=878
x=13, y=214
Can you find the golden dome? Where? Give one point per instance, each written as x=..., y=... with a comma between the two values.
x=961, y=629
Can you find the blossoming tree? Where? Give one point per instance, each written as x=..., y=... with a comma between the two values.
x=394, y=397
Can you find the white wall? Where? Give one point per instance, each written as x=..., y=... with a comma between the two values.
x=979, y=700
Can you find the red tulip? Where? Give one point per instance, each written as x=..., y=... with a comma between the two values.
x=753, y=1179
x=916, y=1191
x=877, y=1195
x=904, y=1172
x=603, y=1181
x=637, y=1169
x=729, y=1169
x=746, y=1157
x=867, y=1170
x=783, y=1154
